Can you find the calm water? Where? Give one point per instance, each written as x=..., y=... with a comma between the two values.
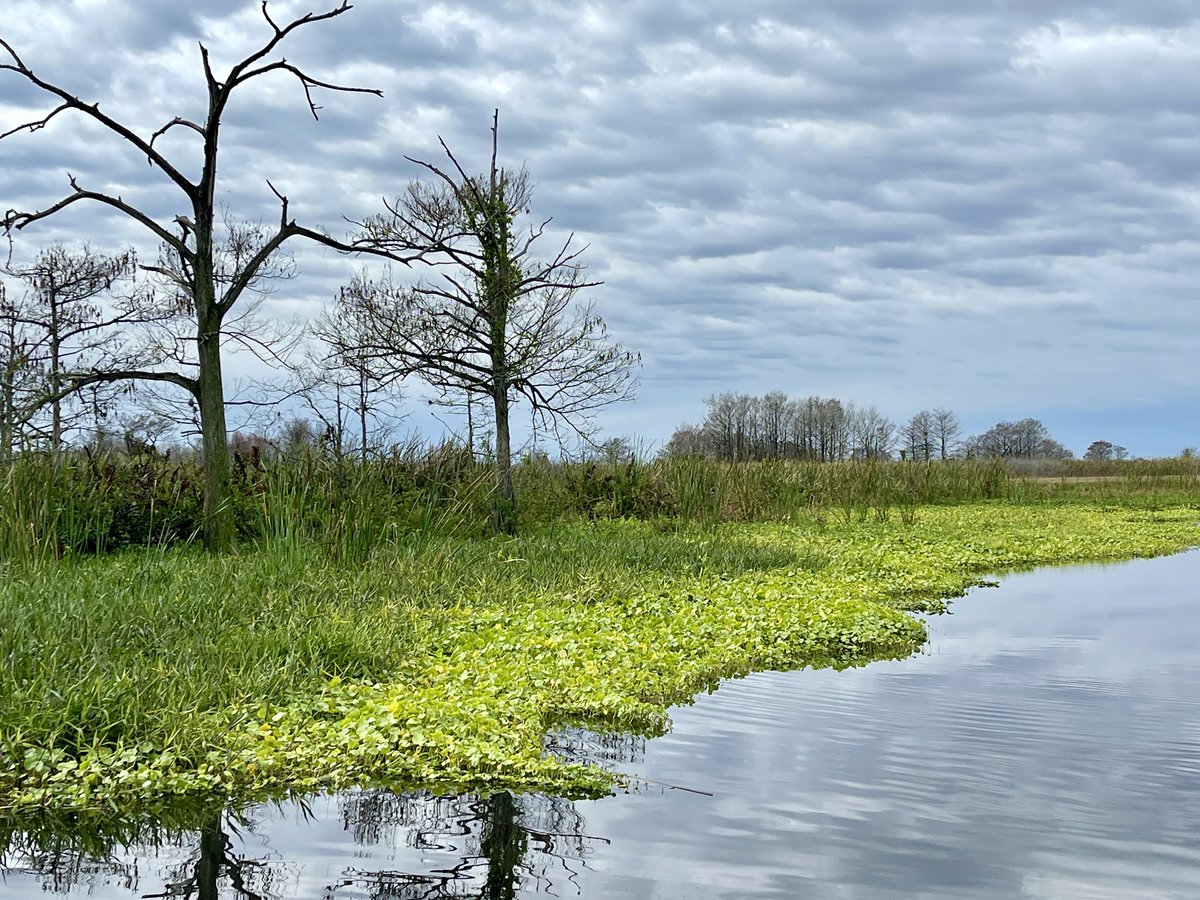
x=1046, y=744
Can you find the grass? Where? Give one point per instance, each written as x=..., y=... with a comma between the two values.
x=97, y=649
x=84, y=505
x=431, y=656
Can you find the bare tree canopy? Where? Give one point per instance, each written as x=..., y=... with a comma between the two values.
x=917, y=435
x=64, y=321
x=192, y=240
x=946, y=432
x=497, y=322
x=745, y=427
x=1027, y=439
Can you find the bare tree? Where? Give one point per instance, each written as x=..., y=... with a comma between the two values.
x=743, y=427
x=1021, y=439
x=686, y=440
x=917, y=436
x=191, y=239
x=772, y=410
x=824, y=427
x=21, y=379
x=871, y=433
x=72, y=311
x=343, y=391
x=731, y=425
x=498, y=323
x=946, y=432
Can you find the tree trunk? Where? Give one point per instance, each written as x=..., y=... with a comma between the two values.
x=504, y=504
x=362, y=416
x=55, y=373
x=7, y=415
x=210, y=861
x=503, y=844
x=218, y=505
x=470, y=426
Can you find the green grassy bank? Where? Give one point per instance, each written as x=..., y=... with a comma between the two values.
x=442, y=659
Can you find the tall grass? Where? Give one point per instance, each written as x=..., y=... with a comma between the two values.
x=142, y=646
x=83, y=505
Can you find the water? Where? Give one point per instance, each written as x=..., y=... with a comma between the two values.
x=1045, y=745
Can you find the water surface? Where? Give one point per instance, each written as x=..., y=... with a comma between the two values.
x=1046, y=744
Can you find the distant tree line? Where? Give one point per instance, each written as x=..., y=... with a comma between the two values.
x=1108, y=450
x=743, y=427
x=1026, y=439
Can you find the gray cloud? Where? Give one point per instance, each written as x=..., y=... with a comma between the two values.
x=908, y=204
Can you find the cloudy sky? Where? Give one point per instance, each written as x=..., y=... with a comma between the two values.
x=987, y=206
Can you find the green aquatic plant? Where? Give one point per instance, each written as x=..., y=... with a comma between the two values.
x=152, y=674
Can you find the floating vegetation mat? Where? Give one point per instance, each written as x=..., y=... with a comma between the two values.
x=598, y=624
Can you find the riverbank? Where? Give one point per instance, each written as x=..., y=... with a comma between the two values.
x=148, y=675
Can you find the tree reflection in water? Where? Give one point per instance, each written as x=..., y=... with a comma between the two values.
x=495, y=846
x=502, y=842
x=72, y=853
x=60, y=866
x=214, y=862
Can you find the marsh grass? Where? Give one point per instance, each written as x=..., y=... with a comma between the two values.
x=343, y=565
x=82, y=505
x=443, y=658
x=1146, y=483
x=145, y=646
x=154, y=647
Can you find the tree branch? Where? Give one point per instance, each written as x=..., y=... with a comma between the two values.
x=178, y=120
x=70, y=101
x=17, y=219
x=248, y=68
x=308, y=82
x=289, y=229
x=37, y=124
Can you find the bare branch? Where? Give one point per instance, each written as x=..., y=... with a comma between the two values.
x=178, y=120
x=214, y=86
x=17, y=65
x=70, y=101
x=248, y=68
x=289, y=229
x=283, y=202
x=17, y=219
x=307, y=82
x=81, y=381
x=270, y=21
x=37, y=124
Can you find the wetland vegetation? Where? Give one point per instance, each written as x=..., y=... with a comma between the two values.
x=370, y=629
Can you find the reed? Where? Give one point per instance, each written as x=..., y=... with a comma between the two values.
x=350, y=508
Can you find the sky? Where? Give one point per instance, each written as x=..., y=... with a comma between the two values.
x=985, y=206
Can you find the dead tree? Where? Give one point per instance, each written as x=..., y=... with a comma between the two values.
x=497, y=323
x=73, y=311
x=191, y=236
x=354, y=404
x=21, y=375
